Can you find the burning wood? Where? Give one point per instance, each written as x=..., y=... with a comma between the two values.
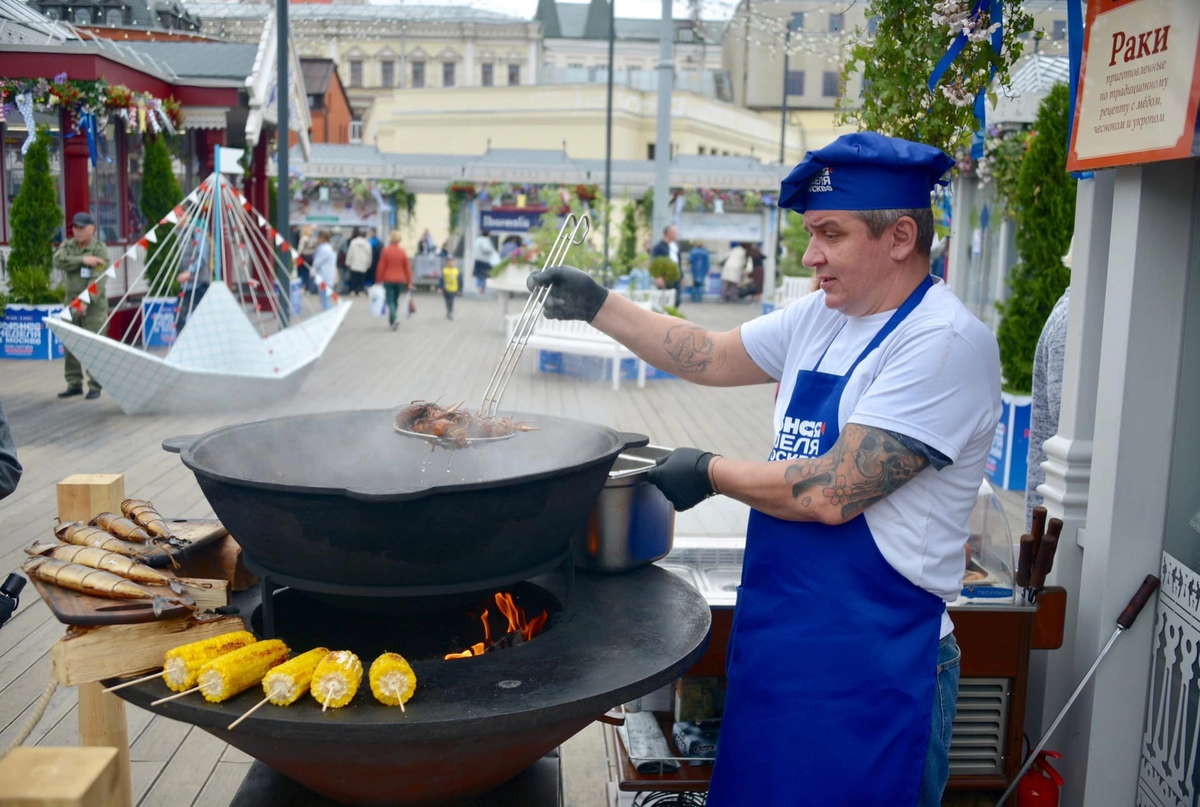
x=520, y=629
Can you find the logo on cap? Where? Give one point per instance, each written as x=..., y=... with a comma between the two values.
x=822, y=182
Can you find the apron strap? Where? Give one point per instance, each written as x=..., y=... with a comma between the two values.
x=893, y=322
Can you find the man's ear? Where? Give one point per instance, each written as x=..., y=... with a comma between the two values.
x=904, y=239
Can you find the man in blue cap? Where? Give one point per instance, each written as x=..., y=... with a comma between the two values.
x=842, y=664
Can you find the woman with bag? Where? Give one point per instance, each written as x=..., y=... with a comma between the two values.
x=395, y=274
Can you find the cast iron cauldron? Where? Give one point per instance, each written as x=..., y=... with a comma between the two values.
x=341, y=499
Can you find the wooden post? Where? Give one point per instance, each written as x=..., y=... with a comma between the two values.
x=101, y=715
x=60, y=777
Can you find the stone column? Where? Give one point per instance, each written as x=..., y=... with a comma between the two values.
x=1149, y=261
x=1068, y=463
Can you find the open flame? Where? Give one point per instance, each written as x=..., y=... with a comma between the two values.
x=519, y=630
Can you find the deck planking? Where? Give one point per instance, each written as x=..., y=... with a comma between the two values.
x=366, y=366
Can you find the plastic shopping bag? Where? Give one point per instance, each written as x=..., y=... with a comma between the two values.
x=377, y=301
x=410, y=306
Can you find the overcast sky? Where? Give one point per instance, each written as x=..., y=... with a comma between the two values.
x=710, y=9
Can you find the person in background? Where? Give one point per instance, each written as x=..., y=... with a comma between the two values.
x=510, y=245
x=194, y=279
x=325, y=268
x=699, y=263
x=10, y=468
x=306, y=249
x=376, y=249
x=395, y=273
x=450, y=285
x=756, y=264
x=358, y=261
x=732, y=272
x=426, y=244
x=1048, y=361
x=668, y=248
x=83, y=258
x=485, y=258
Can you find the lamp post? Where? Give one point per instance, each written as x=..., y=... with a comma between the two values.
x=796, y=22
x=608, y=123
x=283, y=96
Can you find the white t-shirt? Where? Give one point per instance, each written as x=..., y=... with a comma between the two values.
x=936, y=379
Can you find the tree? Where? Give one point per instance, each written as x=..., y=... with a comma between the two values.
x=160, y=194
x=627, y=249
x=795, y=238
x=36, y=219
x=910, y=37
x=1045, y=218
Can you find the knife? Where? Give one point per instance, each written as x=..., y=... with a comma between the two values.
x=1025, y=561
x=1041, y=566
x=1037, y=528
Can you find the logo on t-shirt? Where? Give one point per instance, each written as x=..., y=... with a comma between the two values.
x=798, y=438
x=822, y=182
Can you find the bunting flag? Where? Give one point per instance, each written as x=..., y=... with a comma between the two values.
x=144, y=244
x=84, y=297
x=93, y=288
x=152, y=236
x=111, y=272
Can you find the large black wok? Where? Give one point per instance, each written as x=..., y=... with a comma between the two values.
x=341, y=499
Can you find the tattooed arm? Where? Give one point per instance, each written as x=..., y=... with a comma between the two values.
x=679, y=347
x=865, y=465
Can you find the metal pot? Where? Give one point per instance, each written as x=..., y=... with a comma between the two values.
x=632, y=524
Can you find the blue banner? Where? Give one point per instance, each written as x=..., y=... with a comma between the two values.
x=158, y=321
x=509, y=221
x=25, y=335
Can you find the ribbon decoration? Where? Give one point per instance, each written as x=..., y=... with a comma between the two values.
x=956, y=47
x=87, y=122
x=996, y=15
x=1074, y=60
x=25, y=107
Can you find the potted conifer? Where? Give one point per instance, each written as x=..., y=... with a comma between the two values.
x=160, y=194
x=36, y=221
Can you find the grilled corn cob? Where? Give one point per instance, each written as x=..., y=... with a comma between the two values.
x=284, y=684
x=336, y=679
x=183, y=663
x=392, y=679
x=227, y=675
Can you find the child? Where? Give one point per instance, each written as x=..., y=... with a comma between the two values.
x=449, y=285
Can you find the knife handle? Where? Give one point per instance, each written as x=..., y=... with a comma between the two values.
x=1037, y=526
x=1042, y=563
x=1054, y=527
x=1025, y=561
x=1125, y=620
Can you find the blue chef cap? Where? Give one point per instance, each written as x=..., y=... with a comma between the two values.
x=865, y=171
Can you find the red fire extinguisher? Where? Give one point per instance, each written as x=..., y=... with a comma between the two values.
x=1039, y=786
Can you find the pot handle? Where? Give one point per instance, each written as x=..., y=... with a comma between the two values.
x=632, y=440
x=176, y=445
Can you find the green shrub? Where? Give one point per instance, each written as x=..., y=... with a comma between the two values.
x=160, y=194
x=796, y=239
x=36, y=219
x=1044, y=208
x=627, y=247
x=665, y=268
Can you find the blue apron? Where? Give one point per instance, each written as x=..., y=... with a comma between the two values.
x=832, y=662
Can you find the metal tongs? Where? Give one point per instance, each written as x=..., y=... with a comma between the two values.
x=573, y=232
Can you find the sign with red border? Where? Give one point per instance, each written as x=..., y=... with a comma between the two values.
x=1139, y=84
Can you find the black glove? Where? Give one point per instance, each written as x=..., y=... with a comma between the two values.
x=682, y=476
x=573, y=294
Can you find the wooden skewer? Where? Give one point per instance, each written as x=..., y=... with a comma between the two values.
x=253, y=709
x=124, y=684
x=402, y=707
x=176, y=695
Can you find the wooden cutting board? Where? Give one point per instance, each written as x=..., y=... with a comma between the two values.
x=73, y=608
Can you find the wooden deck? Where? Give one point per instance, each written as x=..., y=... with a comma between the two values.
x=367, y=366
x=175, y=765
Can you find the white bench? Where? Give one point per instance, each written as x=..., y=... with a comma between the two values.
x=579, y=339
x=657, y=298
x=792, y=289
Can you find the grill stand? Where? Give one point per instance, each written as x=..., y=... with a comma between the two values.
x=270, y=583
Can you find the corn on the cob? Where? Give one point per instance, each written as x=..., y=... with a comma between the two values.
x=392, y=679
x=286, y=683
x=336, y=679
x=227, y=675
x=183, y=664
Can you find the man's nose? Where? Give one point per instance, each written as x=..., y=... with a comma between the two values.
x=812, y=256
